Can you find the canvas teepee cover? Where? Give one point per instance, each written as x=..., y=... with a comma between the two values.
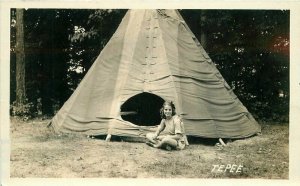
x=154, y=51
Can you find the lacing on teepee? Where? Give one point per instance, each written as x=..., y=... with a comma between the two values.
x=162, y=12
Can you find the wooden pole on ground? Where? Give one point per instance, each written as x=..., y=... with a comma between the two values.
x=108, y=137
x=222, y=142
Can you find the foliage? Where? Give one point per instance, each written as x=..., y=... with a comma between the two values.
x=89, y=37
x=26, y=110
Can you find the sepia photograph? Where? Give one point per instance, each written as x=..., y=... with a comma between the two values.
x=201, y=93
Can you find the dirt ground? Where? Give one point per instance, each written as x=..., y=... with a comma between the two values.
x=37, y=152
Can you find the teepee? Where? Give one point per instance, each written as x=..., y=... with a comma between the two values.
x=153, y=56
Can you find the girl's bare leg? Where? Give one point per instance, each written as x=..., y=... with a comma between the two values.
x=150, y=137
x=166, y=141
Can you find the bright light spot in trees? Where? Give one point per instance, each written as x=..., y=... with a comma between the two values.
x=79, y=69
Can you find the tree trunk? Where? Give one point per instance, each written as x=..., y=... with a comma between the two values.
x=47, y=66
x=20, y=59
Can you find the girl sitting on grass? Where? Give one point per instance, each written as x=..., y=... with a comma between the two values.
x=173, y=130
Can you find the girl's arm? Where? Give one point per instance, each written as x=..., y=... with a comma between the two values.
x=160, y=128
x=175, y=136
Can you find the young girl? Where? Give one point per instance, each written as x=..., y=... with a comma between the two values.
x=172, y=126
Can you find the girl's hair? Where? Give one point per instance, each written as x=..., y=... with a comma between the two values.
x=171, y=104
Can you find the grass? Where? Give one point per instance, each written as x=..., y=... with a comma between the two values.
x=38, y=152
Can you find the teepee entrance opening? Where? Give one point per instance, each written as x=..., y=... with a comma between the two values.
x=142, y=109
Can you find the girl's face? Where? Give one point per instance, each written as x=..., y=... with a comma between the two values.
x=168, y=111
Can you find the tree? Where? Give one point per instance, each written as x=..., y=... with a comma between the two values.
x=21, y=106
x=91, y=33
x=20, y=59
